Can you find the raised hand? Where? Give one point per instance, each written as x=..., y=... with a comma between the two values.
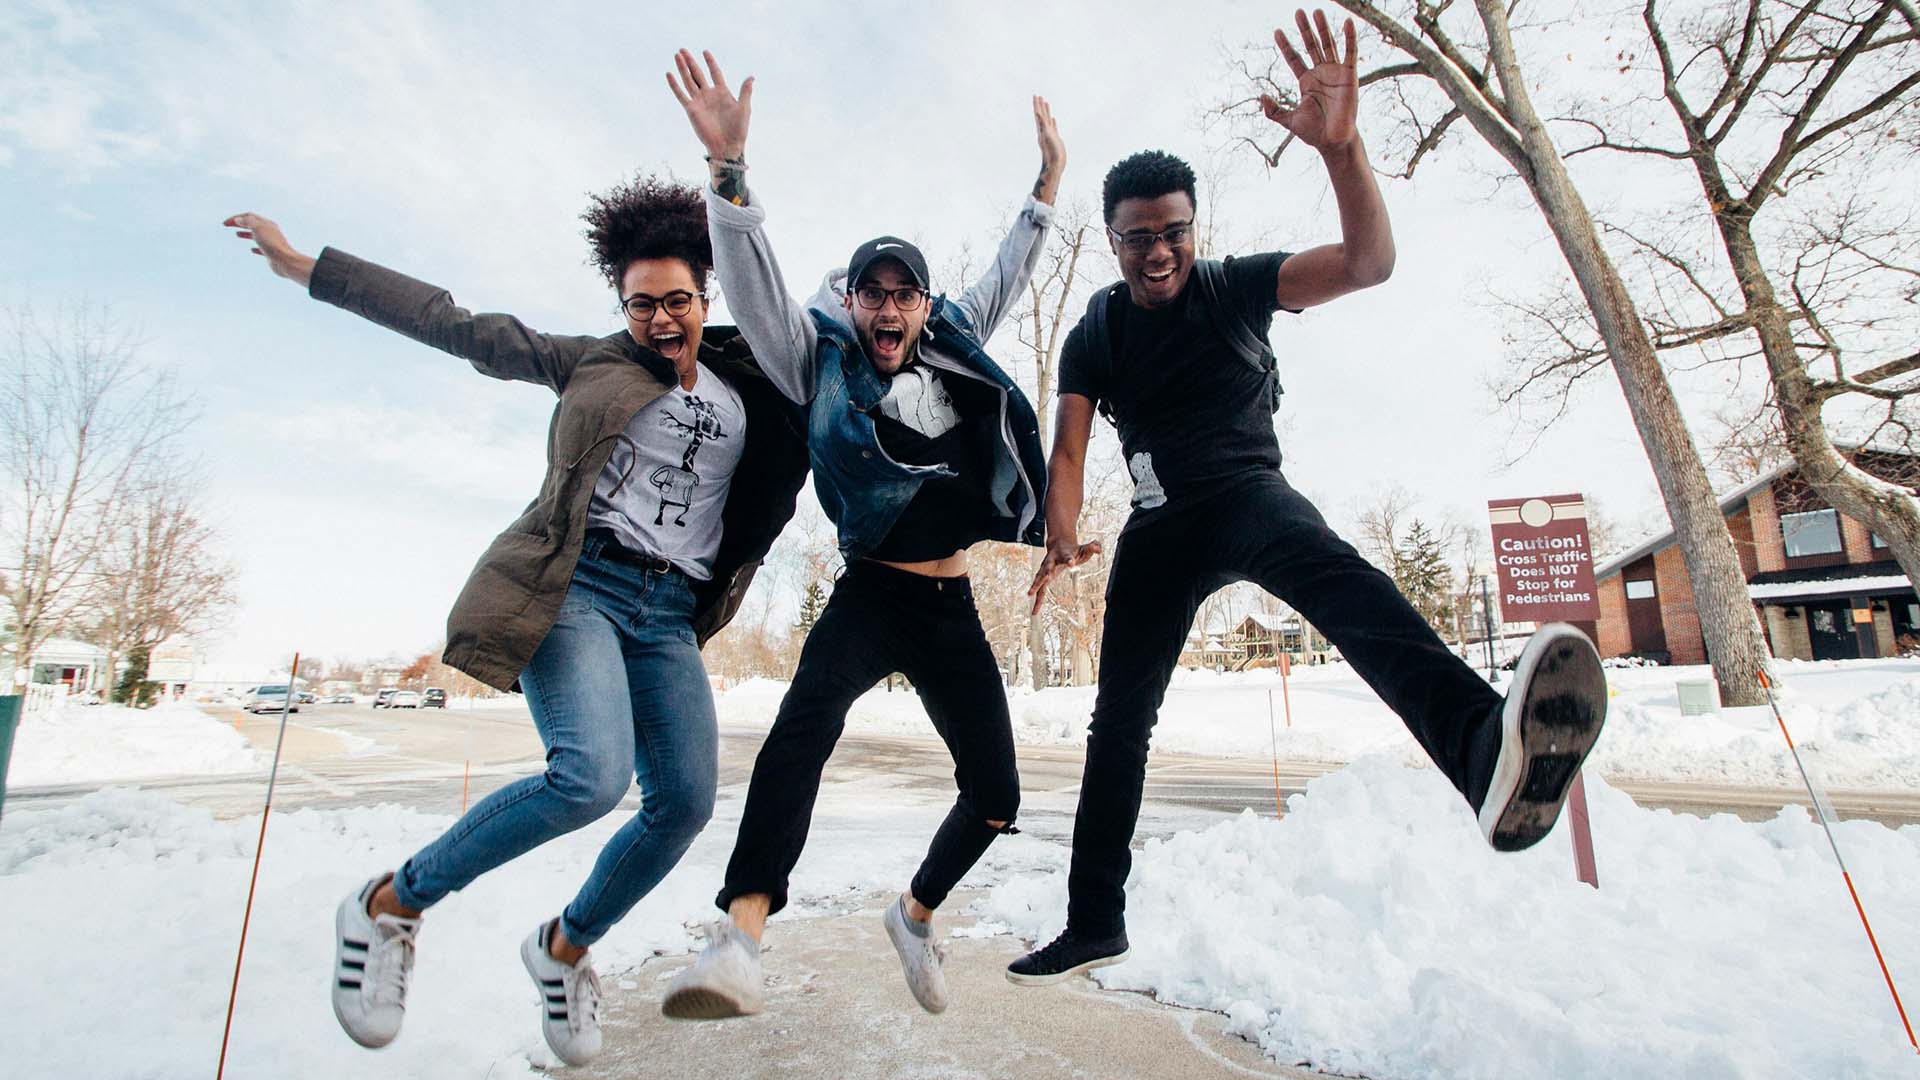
x=1053, y=152
x=271, y=243
x=1329, y=89
x=719, y=119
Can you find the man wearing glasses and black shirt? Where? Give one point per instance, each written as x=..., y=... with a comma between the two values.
x=921, y=446
x=1176, y=353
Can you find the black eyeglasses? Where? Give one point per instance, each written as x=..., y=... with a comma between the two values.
x=1139, y=243
x=906, y=298
x=640, y=306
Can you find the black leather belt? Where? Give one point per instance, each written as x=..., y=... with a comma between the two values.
x=612, y=550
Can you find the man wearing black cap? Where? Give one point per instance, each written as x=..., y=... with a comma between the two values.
x=921, y=446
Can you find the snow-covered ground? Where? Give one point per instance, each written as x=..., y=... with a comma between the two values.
x=1858, y=720
x=103, y=744
x=123, y=910
x=1369, y=931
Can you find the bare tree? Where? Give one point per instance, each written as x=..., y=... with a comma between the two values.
x=1787, y=112
x=157, y=572
x=1051, y=307
x=79, y=417
x=1455, y=68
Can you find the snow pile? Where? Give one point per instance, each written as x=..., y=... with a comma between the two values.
x=82, y=744
x=1371, y=931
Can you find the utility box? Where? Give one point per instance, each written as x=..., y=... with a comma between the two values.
x=10, y=708
x=1698, y=697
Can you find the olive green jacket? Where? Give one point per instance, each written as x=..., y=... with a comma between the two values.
x=510, y=601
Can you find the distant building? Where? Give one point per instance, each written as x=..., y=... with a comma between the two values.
x=76, y=665
x=1262, y=636
x=1825, y=587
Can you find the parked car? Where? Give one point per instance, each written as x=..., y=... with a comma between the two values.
x=307, y=697
x=384, y=699
x=264, y=699
x=434, y=698
x=337, y=699
x=404, y=699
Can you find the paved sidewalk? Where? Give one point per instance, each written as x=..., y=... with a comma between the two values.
x=838, y=1009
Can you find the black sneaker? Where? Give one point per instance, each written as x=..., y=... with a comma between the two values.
x=1067, y=956
x=1550, y=721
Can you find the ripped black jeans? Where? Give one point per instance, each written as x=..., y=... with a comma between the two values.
x=881, y=620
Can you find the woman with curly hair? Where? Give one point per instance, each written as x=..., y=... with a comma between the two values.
x=672, y=465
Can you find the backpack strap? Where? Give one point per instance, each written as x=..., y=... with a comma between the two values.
x=1099, y=342
x=1232, y=324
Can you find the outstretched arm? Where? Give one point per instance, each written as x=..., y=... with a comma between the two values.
x=1066, y=479
x=1324, y=120
x=497, y=345
x=782, y=336
x=987, y=300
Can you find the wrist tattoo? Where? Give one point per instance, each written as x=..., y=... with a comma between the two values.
x=1040, y=183
x=729, y=178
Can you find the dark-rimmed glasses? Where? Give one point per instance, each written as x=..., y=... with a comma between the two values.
x=1139, y=243
x=905, y=298
x=640, y=306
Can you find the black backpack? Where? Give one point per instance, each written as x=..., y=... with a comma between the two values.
x=1212, y=274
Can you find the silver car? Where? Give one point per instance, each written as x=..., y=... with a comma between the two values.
x=268, y=699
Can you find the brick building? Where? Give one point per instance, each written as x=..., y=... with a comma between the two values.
x=1825, y=587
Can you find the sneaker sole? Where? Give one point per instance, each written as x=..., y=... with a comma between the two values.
x=1546, y=735
x=1048, y=980
x=704, y=1003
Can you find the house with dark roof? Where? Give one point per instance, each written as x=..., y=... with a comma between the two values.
x=1825, y=587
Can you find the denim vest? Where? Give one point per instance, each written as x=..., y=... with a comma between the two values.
x=862, y=489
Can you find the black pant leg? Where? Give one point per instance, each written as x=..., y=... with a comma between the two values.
x=1161, y=573
x=849, y=650
x=1285, y=546
x=954, y=670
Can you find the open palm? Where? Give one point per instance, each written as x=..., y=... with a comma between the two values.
x=719, y=119
x=1329, y=86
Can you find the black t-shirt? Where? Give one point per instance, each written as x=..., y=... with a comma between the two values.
x=1192, y=414
x=948, y=513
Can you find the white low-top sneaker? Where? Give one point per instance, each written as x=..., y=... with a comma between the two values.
x=372, y=964
x=724, y=982
x=921, y=957
x=569, y=999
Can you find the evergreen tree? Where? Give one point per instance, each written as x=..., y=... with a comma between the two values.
x=1422, y=574
x=812, y=603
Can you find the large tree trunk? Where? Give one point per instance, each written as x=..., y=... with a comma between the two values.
x=1735, y=645
x=1889, y=509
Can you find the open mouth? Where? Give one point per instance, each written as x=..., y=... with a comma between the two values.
x=888, y=339
x=668, y=345
x=1160, y=277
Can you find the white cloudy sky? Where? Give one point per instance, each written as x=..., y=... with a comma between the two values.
x=358, y=475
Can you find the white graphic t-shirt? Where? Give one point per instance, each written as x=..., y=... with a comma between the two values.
x=916, y=399
x=666, y=499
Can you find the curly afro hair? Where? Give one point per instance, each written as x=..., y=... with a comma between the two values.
x=1148, y=174
x=648, y=218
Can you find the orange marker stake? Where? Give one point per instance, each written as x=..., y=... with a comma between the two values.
x=1278, y=809
x=1819, y=810
x=259, y=847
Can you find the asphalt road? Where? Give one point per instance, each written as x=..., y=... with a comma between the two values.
x=349, y=755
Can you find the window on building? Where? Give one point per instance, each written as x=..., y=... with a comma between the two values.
x=1640, y=590
x=1816, y=532
x=1877, y=542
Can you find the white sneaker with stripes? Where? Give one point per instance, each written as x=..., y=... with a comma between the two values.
x=569, y=999
x=372, y=964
